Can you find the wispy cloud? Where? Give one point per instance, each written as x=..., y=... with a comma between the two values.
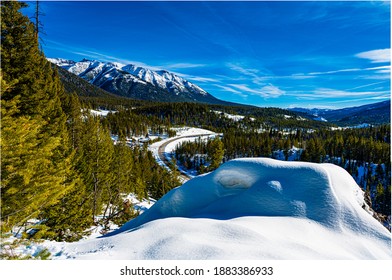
x=232, y=90
x=93, y=54
x=335, y=71
x=267, y=91
x=252, y=72
x=376, y=56
x=370, y=73
x=333, y=93
x=368, y=85
x=379, y=69
x=272, y=91
x=298, y=76
x=246, y=88
x=339, y=103
x=184, y=65
x=199, y=79
x=328, y=93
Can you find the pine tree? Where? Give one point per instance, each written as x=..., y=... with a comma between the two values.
x=96, y=161
x=70, y=217
x=36, y=159
x=379, y=201
x=216, y=153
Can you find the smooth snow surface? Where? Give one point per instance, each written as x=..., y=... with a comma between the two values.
x=251, y=209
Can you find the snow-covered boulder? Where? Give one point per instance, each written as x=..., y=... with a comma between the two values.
x=254, y=209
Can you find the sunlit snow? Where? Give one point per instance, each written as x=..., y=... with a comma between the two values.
x=251, y=209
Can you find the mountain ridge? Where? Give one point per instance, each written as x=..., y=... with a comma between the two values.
x=373, y=113
x=137, y=82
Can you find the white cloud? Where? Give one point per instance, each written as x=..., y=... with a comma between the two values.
x=232, y=90
x=184, y=65
x=272, y=91
x=336, y=71
x=386, y=67
x=328, y=93
x=333, y=93
x=370, y=73
x=246, y=71
x=299, y=76
x=267, y=91
x=197, y=78
x=202, y=79
x=376, y=56
x=368, y=85
x=377, y=69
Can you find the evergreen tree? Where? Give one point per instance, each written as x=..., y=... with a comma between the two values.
x=216, y=153
x=95, y=164
x=379, y=201
x=36, y=159
x=70, y=217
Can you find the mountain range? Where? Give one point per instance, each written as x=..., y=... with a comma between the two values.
x=137, y=82
x=112, y=80
x=375, y=113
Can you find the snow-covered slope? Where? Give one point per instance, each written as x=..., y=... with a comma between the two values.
x=121, y=79
x=165, y=80
x=251, y=209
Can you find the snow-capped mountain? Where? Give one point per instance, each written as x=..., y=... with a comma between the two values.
x=135, y=81
x=165, y=80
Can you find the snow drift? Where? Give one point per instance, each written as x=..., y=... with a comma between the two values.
x=254, y=209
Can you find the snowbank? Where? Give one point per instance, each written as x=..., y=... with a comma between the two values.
x=254, y=209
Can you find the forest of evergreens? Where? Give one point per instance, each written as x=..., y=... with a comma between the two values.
x=60, y=166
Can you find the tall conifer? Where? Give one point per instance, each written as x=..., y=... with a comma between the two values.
x=36, y=159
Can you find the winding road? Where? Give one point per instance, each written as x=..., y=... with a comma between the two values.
x=161, y=153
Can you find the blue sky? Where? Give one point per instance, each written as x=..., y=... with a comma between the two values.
x=269, y=54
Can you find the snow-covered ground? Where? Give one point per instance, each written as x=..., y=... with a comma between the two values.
x=250, y=209
x=56, y=248
x=293, y=154
x=101, y=113
x=170, y=148
x=232, y=117
x=182, y=134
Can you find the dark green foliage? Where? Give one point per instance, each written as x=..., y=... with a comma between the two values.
x=203, y=156
x=70, y=217
x=36, y=157
x=57, y=164
x=209, y=117
x=97, y=156
x=216, y=152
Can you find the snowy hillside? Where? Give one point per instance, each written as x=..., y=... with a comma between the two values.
x=121, y=79
x=251, y=209
x=164, y=79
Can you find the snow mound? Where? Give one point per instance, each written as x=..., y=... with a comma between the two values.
x=256, y=209
x=324, y=193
